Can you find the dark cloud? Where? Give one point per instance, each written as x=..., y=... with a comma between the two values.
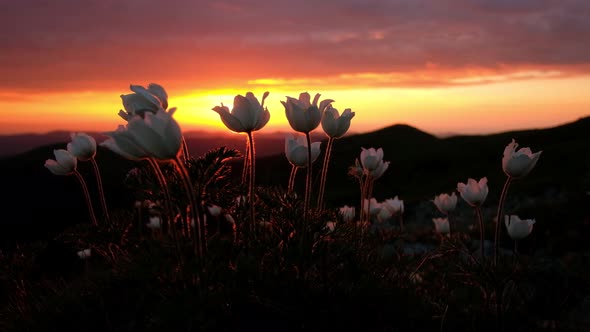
x=97, y=44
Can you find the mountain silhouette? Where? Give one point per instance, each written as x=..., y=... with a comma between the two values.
x=37, y=204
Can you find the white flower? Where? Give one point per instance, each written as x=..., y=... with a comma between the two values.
x=381, y=168
x=296, y=150
x=441, y=225
x=445, y=203
x=347, y=213
x=474, y=193
x=330, y=226
x=371, y=158
x=84, y=254
x=152, y=99
x=334, y=124
x=371, y=206
x=518, y=229
x=384, y=214
x=155, y=223
x=122, y=143
x=247, y=115
x=304, y=116
x=157, y=134
x=64, y=164
x=517, y=164
x=82, y=146
x=395, y=205
x=214, y=210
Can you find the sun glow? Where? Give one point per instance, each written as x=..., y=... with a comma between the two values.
x=461, y=109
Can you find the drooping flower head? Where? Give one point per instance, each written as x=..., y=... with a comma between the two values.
x=64, y=164
x=247, y=115
x=304, y=116
x=158, y=134
x=83, y=146
x=445, y=203
x=122, y=143
x=518, y=229
x=474, y=193
x=296, y=150
x=518, y=164
x=143, y=100
x=334, y=124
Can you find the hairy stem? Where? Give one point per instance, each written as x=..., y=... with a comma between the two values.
x=87, y=196
x=103, y=201
x=324, y=173
x=198, y=230
x=292, y=179
x=251, y=182
x=481, y=230
x=246, y=162
x=168, y=206
x=308, y=182
x=499, y=217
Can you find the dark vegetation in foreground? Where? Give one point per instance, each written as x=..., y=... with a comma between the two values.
x=390, y=281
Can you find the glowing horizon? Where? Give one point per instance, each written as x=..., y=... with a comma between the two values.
x=472, y=109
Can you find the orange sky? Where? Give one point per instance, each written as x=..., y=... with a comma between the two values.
x=466, y=67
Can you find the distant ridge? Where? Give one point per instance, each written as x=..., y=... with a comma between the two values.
x=422, y=165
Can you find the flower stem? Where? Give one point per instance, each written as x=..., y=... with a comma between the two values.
x=363, y=189
x=252, y=164
x=308, y=182
x=246, y=162
x=451, y=227
x=168, y=198
x=481, y=230
x=292, y=179
x=100, y=189
x=198, y=230
x=324, y=174
x=185, y=153
x=499, y=217
x=87, y=196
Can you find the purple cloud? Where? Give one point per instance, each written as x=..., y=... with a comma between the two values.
x=95, y=44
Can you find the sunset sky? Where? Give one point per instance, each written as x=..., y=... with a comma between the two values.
x=459, y=66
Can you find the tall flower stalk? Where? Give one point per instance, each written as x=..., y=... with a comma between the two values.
x=65, y=163
x=195, y=210
x=324, y=173
x=83, y=147
x=481, y=230
x=86, y=196
x=304, y=116
x=335, y=126
x=251, y=181
x=475, y=193
x=246, y=116
x=169, y=210
x=292, y=176
x=516, y=165
x=103, y=201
